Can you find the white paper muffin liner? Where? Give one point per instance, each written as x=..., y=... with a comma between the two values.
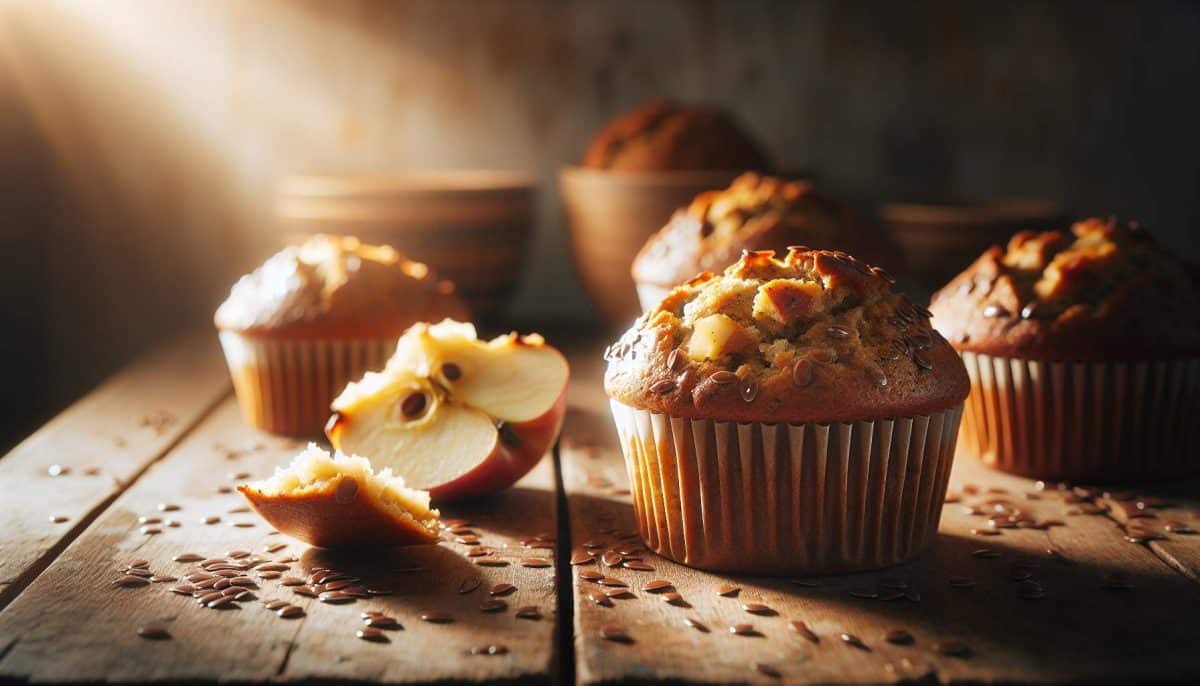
x=285, y=387
x=1099, y=421
x=787, y=499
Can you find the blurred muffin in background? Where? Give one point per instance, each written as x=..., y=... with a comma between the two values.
x=1083, y=351
x=636, y=171
x=316, y=316
x=754, y=213
x=664, y=135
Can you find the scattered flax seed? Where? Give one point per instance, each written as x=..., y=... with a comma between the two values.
x=582, y=557
x=488, y=561
x=528, y=612
x=767, y=670
x=599, y=598
x=290, y=611
x=985, y=532
x=435, y=617
x=728, y=590
x=153, y=632
x=210, y=519
x=611, y=558
x=242, y=525
x=898, y=636
x=618, y=593
x=502, y=589
x=757, y=609
x=615, y=633
x=657, y=585
x=985, y=553
x=801, y=628
x=150, y=530
x=743, y=630
x=612, y=581
x=696, y=624
x=673, y=598
x=58, y=519
x=274, y=547
x=493, y=605
x=638, y=565
x=468, y=585
x=852, y=640
x=589, y=575
x=167, y=507
x=372, y=634
x=131, y=581
x=535, y=562
x=162, y=578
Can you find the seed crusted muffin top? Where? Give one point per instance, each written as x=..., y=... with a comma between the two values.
x=337, y=287
x=662, y=135
x=1106, y=291
x=817, y=336
x=755, y=213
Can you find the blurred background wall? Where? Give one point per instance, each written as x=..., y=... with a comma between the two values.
x=140, y=141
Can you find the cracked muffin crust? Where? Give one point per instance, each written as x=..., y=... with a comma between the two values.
x=817, y=336
x=1107, y=291
x=755, y=213
x=336, y=286
x=663, y=135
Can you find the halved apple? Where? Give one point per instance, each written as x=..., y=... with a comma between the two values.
x=455, y=415
x=338, y=501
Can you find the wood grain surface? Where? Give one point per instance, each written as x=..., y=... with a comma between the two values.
x=60, y=477
x=1076, y=602
x=71, y=623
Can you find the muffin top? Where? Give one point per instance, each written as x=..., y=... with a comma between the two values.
x=662, y=135
x=336, y=286
x=754, y=213
x=817, y=336
x=1107, y=291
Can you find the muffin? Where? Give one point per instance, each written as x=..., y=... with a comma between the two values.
x=316, y=316
x=1082, y=350
x=754, y=213
x=789, y=416
x=663, y=135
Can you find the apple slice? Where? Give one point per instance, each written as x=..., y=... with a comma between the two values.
x=455, y=415
x=338, y=501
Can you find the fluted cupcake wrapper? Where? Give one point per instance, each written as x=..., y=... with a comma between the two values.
x=285, y=387
x=787, y=499
x=1084, y=420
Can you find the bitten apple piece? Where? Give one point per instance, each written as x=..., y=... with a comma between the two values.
x=338, y=501
x=455, y=415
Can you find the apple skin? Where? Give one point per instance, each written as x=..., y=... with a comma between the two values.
x=319, y=519
x=504, y=465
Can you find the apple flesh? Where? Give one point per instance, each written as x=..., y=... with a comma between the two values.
x=455, y=415
x=339, y=501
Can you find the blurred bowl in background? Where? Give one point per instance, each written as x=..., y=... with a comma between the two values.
x=472, y=227
x=610, y=214
x=939, y=240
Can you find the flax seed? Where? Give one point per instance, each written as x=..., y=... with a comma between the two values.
x=638, y=566
x=657, y=585
x=757, y=609
x=535, y=562
x=743, y=630
x=589, y=575
x=468, y=585
x=488, y=561
x=493, y=605
x=131, y=581
x=801, y=628
x=290, y=611
x=729, y=591
x=852, y=640
x=581, y=558
x=153, y=632
x=435, y=617
x=528, y=612
x=599, y=598
x=615, y=633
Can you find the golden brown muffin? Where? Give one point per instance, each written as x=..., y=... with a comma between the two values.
x=1108, y=291
x=817, y=336
x=337, y=287
x=754, y=213
x=662, y=135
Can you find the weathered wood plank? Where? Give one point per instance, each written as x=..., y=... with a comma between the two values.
x=102, y=442
x=1084, y=628
x=1170, y=510
x=72, y=624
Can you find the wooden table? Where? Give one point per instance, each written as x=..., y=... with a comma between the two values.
x=162, y=441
